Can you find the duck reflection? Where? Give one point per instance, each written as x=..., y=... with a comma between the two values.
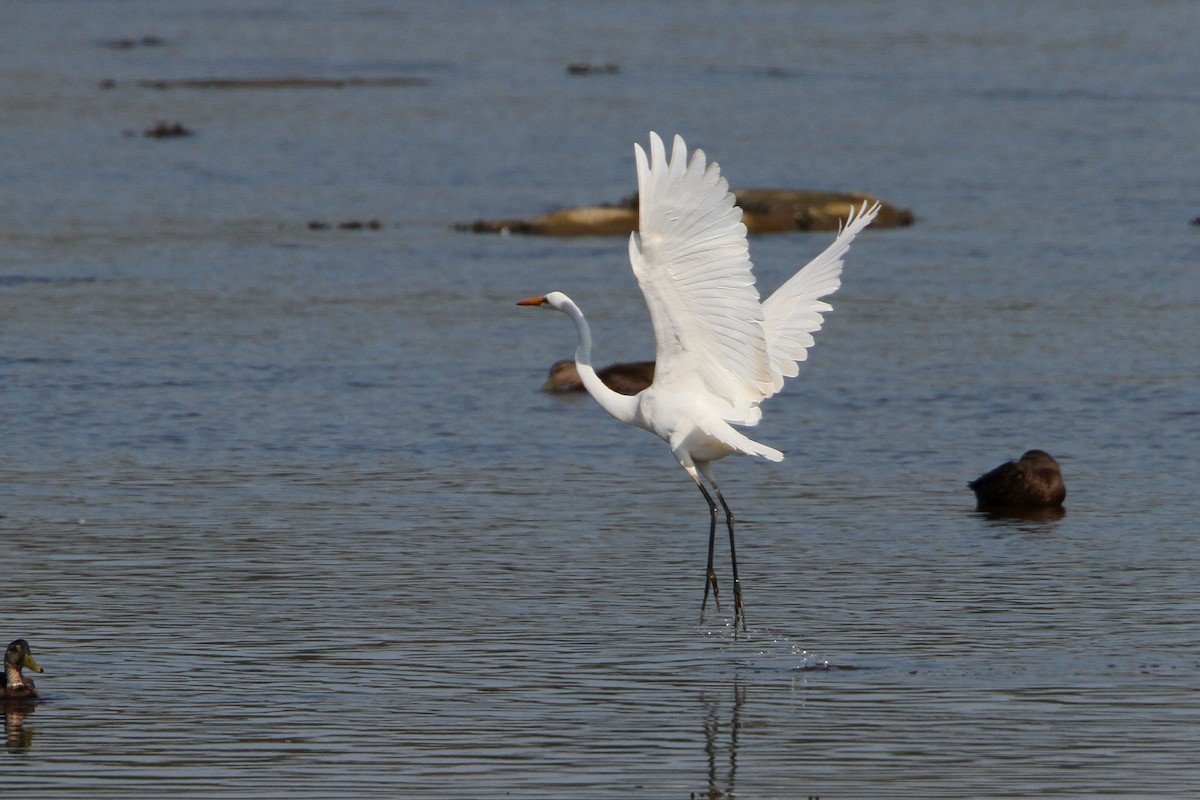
x=721, y=741
x=1025, y=514
x=17, y=737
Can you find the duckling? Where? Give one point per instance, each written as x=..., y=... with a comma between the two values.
x=1033, y=482
x=626, y=378
x=15, y=684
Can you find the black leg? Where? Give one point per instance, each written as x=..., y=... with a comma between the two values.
x=710, y=575
x=739, y=608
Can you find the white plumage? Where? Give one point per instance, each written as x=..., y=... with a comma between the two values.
x=719, y=351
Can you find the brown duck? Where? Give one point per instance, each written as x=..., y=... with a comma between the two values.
x=627, y=378
x=16, y=658
x=1033, y=482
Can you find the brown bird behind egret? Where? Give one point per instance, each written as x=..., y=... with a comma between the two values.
x=625, y=377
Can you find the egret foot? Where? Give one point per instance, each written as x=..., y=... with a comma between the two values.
x=710, y=582
x=739, y=608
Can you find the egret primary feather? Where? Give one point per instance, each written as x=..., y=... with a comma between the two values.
x=719, y=351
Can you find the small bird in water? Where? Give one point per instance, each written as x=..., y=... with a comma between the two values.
x=17, y=657
x=627, y=378
x=1033, y=482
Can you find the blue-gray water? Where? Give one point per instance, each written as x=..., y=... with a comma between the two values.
x=284, y=512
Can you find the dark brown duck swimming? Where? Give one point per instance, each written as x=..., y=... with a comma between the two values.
x=626, y=378
x=16, y=658
x=1033, y=482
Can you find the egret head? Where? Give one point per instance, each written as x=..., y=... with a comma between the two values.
x=553, y=300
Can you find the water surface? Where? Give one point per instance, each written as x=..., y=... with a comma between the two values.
x=285, y=511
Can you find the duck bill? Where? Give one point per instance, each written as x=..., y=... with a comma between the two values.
x=532, y=301
x=29, y=663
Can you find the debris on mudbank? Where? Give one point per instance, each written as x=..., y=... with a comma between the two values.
x=272, y=83
x=132, y=42
x=581, y=68
x=166, y=130
x=763, y=211
x=348, y=225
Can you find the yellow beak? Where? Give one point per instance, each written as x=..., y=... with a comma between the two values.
x=29, y=663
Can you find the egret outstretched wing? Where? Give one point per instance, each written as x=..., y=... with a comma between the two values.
x=693, y=265
x=793, y=312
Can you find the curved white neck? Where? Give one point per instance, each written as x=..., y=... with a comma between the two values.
x=621, y=406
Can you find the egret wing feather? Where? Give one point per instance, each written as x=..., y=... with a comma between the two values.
x=692, y=263
x=794, y=311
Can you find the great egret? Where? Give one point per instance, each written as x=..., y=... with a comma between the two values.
x=720, y=352
x=627, y=377
x=1033, y=482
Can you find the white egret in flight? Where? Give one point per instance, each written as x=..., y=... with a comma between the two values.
x=720, y=352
